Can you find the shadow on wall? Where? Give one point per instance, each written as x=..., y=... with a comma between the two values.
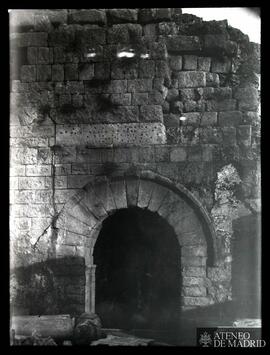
x=56, y=286
x=246, y=265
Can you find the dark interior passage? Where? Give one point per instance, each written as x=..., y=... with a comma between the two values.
x=138, y=275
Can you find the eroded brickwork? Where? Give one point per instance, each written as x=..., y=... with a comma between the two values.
x=81, y=111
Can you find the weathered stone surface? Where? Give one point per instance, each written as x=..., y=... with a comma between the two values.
x=57, y=72
x=194, y=291
x=191, y=79
x=231, y=118
x=209, y=119
x=178, y=154
x=190, y=62
x=118, y=189
x=223, y=105
x=158, y=195
x=194, y=271
x=71, y=72
x=86, y=72
x=212, y=79
x=244, y=135
x=88, y=16
x=196, y=301
x=144, y=193
x=248, y=98
x=219, y=42
x=44, y=72
x=175, y=62
x=151, y=113
x=193, y=260
x=140, y=98
x=183, y=43
x=219, y=66
x=153, y=15
x=122, y=15
x=229, y=136
x=139, y=85
x=192, y=119
x=28, y=73
x=30, y=39
x=204, y=63
x=146, y=69
x=124, y=33
x=132, y=186
x=193, y=281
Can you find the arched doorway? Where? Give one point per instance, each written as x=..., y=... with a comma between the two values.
x=81, y=221
x=138, y=273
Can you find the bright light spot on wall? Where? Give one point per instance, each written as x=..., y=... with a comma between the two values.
x=125, y=54
x=182, y=118
x=145, y=56
x=90, y=55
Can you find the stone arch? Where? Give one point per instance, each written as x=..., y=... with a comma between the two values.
x=81, y=219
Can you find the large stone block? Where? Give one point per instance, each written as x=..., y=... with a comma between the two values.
x=30, y=39
x=229, y=136
x=118, y=189
x=139, y=98
x=211, y=135
x=192, y=118
x=191, y=79
x=108, y=134
x=209, y=119
x=146, y=69
x=196, y=301
x=221, y=66
x=23, y=156
x=144, y=193
x=194, y=271
x=132, y=187
x=193, y=281
x=151, y=113
x=158, y=195
x=139, y=85
x=194, y=291
x=190, y=62
x=204, y=63
x=35, y=183
x=175, y=62
x=154, y=15
x=192, y=260
x=38, y=170
x=28, y=73
x=183, y=43
x=86, y=72
x=44, y=72
x=57, y=72
x=244, y=135
x=92, y=16
x=124, y=33
x=122, y=15
x=212, y=79
x=230, y=118
x=248, y=98
x=124, y=70
x=71, y=71
x=222, y=105
x=219, y=42
x=178, y=154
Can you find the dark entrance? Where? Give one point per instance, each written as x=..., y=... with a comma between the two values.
x=138, y=274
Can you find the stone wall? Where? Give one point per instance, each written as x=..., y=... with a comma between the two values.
x=100, y=93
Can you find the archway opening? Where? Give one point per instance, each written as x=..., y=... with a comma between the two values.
x=138, y=273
